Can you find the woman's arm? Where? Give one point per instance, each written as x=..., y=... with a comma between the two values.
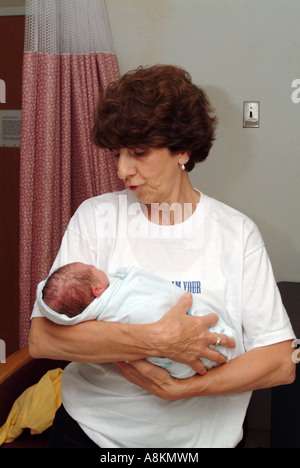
x=262, y=367
x=177, y=336
x=89, y=341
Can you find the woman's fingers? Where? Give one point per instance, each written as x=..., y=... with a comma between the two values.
x=154, y=379
x=220, y=339
x=198, y=367
x=186, y=338
x=184, y=304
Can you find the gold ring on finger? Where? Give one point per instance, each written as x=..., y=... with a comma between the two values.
x=218, y=342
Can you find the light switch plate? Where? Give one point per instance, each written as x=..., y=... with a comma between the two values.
x=251, y=114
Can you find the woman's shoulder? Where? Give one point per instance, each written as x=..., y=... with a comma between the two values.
x=95, y=209
x=110, y=197
x=230, y=220
x=220, y=210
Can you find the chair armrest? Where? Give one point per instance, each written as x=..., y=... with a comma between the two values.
x=19, y=372
x=13, y=363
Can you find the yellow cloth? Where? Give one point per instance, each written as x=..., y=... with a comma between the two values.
x=35, y=408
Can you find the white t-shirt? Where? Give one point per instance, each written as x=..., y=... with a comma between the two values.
x=217, y=253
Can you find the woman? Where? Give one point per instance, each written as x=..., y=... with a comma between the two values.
x=159, y=125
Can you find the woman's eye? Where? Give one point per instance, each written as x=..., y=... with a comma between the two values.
x=117, y=155
x=139, y=152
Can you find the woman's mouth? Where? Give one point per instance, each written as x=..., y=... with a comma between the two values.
x=133, y=188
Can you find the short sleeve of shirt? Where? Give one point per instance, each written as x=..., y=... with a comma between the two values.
x=264, y=318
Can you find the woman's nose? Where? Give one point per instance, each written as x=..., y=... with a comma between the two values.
x=125, y=165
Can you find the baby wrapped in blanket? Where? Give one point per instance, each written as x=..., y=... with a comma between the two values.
x=77, y=292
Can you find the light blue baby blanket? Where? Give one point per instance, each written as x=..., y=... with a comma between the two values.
x=136, y=296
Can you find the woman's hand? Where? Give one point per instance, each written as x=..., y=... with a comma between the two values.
x=185, y=338
x=154, y=379
x=262, y=367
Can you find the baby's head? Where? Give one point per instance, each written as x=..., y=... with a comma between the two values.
x=71, y=288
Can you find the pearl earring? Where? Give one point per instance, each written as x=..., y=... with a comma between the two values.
x=183, y=166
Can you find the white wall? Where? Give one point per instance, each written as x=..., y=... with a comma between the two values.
x=237, y=50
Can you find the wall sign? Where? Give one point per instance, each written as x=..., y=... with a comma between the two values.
x=10, y=128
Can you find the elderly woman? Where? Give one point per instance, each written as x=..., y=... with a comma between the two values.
x=159, y=124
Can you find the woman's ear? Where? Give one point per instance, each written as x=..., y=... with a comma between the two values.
x=183, y=159
x=184, y=156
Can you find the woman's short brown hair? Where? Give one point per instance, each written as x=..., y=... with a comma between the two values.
x=156, y=107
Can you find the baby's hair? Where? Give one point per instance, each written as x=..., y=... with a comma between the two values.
x=69, y=289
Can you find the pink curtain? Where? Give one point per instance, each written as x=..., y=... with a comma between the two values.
x=60, y=167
